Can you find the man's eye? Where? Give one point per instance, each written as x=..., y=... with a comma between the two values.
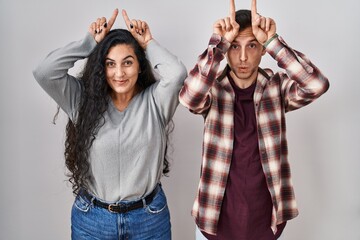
x=253, y=45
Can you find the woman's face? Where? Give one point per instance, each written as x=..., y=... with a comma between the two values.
x=122, y=69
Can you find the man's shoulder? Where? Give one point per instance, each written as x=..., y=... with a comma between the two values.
x=271, y=75
x=266, y=72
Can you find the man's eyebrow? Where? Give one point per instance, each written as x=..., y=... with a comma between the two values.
x=251, y=40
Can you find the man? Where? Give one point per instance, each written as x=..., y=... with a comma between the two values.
x=245, y=189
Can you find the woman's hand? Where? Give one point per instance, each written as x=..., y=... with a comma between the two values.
x=139, y=29
x=100, y=28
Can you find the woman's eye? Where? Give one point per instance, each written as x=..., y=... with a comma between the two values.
x=234, y=46
x=110, y=64
x=127, y=63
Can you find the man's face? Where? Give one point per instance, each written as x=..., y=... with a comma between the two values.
x=244, y=56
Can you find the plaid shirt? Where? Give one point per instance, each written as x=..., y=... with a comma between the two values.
x=209, y=93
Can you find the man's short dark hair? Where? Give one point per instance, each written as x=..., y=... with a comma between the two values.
x=243, y=18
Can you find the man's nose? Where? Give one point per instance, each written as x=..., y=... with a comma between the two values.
x=243, y=55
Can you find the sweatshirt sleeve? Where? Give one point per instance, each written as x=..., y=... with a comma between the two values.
x=52, y=74
x=196, y=92
x=302, y=82
x=171, y=72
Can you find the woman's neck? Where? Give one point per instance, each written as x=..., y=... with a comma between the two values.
x=121, y=101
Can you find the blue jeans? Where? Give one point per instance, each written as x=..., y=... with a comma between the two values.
x=91, y=222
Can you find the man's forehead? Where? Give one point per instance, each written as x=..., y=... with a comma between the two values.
x=245, y=34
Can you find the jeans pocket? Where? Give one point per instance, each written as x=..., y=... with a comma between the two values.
x=158, y=204
x=82, y=203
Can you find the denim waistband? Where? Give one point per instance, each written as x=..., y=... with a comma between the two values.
x=121, y=207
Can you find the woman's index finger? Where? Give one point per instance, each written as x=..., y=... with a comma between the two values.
x=113, y=18
x=126, y=18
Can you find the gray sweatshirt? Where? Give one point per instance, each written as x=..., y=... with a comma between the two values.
x=127, y=156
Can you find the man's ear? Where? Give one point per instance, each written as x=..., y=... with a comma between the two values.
x=263, y=51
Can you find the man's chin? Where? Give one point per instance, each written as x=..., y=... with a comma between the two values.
x=242, y=75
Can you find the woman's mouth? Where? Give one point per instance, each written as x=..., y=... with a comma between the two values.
x=120, y=82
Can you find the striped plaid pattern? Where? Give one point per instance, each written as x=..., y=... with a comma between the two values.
x=208, y=92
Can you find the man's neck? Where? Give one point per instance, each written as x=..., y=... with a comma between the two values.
x=243, y=83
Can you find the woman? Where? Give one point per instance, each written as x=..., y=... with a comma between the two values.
x=116, y=134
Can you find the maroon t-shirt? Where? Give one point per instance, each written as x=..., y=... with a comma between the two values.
x=247, y=206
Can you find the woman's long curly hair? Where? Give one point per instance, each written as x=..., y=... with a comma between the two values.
x=81, y=133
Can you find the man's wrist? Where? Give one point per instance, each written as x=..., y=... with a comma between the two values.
x=219, y=42
x=270, y=40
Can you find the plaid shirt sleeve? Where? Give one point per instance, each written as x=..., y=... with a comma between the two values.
x=303, y=82
x=196, y=94
x=299, y=84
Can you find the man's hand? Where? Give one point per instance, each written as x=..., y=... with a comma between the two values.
x=263, y=28
x=227, y=27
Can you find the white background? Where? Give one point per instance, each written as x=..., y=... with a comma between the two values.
x=35, y=199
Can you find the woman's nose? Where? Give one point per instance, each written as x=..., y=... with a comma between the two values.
x=119, y=72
